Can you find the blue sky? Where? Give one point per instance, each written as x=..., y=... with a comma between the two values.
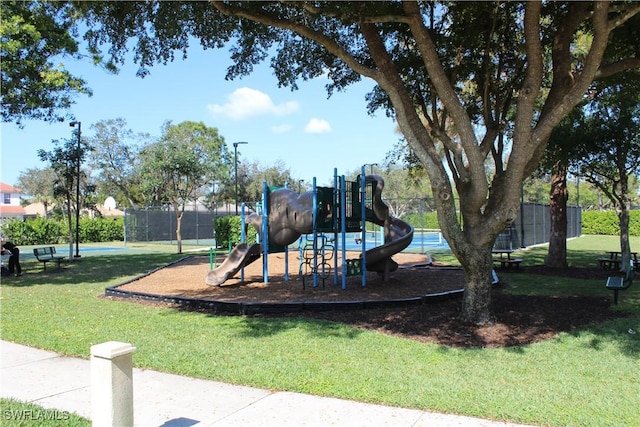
x=311, y=134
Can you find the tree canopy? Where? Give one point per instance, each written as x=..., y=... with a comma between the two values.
x=612, y=122
x=114, y=155
x=34, y=34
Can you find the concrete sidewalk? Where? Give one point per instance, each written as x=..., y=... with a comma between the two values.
x=160, y=399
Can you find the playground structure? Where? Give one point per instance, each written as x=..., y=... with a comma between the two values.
x=317, y=219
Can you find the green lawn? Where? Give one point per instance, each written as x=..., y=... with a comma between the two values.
x=589, y=377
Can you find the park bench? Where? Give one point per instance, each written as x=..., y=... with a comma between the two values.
x=620, y=283
x=48, y=254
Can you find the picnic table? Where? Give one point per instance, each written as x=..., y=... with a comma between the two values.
x=614, y=258
x=504, y=258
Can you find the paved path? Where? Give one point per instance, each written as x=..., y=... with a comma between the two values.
x=167, y=400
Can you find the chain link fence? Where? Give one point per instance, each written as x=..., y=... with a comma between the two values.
x=158, y=224
x=531, y=227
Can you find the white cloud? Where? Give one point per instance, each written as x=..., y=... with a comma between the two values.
x=281, y=128
x=245, y=102
x=317, y=126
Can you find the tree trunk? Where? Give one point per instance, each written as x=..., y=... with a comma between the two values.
x=557, y=254
x=623, y=217
x=476, y=303
x=179, y=215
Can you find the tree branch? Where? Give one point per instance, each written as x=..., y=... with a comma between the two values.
x=628, y=13
x=305, y=31
x=451, y=103
x=609, y=70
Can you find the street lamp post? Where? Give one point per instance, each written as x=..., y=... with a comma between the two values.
x=235, y=164
x=300, y=181
x=72, y=124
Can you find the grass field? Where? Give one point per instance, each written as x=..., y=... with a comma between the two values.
x=589, y=377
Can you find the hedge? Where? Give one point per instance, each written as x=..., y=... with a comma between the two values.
x=41, y=231
x=607, y=223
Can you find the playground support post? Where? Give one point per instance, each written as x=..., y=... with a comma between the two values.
x=265, y=232
x=335, y=225
x=286, y=252
x=343, y=228
x=314, y=219
x=363, y=212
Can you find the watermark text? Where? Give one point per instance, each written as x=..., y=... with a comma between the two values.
x=34, y=415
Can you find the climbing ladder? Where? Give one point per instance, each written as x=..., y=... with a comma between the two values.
x=316, y=252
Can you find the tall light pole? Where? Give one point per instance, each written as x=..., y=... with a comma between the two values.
x=235, y=164
x=72, y=124
x=300, y=181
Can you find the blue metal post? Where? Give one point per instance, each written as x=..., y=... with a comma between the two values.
x=265, y=233
x=314, y=207
x=343, y=226
x=363, y=213
x=286, y=252
x=335, y=225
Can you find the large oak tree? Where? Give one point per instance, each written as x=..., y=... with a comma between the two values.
x=470, y=84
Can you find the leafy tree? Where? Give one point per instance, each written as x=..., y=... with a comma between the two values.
x=458, y=77
x=564, y=149
x=63, y=160
x=32, y=35
x=38, y=185
x=252, y=175
x=613, y=123
x=186, y=159
x=114, y=155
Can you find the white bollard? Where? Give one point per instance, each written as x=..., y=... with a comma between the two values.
x=112, y=384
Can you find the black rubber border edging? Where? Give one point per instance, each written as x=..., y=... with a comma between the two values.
x=251, y=308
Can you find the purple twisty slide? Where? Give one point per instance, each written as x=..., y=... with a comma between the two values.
x=290, y=216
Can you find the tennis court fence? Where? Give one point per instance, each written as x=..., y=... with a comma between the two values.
x=531, y=227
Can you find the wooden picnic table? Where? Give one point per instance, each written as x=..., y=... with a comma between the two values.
x=614, y=258
x=504, y=258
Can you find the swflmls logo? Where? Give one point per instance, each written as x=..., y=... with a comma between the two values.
x=34, y=415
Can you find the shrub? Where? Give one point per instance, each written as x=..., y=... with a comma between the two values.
x=45, y=231
x=607, y=223
x=15, y=231
x=228, y=230
x=34, y=231
x=101, y=229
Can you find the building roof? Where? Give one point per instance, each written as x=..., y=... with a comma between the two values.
x=11, y=210
x=34, y=209
x=6, y=188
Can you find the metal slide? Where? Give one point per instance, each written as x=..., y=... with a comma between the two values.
x=240, y=256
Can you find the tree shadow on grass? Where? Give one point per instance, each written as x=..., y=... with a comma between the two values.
x=94, y=269
x=261, y=327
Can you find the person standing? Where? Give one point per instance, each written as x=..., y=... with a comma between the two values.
x=14, y=258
